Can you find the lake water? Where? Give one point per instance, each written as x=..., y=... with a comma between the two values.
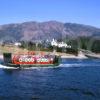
x=73, y=80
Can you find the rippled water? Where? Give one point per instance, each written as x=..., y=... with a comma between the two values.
x=72, y=80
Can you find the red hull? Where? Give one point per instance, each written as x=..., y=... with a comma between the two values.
x=31, y=59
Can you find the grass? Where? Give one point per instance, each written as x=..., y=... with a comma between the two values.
x=11, y=49
x=17, y=50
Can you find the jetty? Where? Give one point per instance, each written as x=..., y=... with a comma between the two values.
x=90, y=54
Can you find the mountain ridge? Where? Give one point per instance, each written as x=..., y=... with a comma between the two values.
x=30, y=31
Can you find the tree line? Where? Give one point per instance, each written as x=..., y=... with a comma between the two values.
x=86, y=43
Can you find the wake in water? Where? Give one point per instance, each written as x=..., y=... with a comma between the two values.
x=61, y=65
x=7, y=67
x=65, y=63
x=80, y=62
x=39, y=67
x=78, y=65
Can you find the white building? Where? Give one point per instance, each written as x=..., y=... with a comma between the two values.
x=54, y=42
x=59, y=44
x=17, y=44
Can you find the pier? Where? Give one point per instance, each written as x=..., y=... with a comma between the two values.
x=90, y=54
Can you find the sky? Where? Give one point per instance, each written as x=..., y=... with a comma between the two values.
x=74, y=11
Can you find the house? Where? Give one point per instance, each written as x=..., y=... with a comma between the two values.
x=59, y=44
x=54, y=42
x=17, y=44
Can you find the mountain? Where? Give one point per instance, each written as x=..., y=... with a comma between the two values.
x=31, y=31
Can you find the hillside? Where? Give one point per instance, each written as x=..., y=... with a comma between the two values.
x=45, y=30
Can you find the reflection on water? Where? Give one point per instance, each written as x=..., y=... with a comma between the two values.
x=61, y=83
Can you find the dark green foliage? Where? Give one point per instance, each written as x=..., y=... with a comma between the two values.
x=76, y=44
x=96, y=46
x=84, y=42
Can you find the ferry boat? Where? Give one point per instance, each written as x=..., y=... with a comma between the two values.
x=30, y=60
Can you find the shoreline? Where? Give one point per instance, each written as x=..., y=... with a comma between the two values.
x=64, y=55
x=61, y=55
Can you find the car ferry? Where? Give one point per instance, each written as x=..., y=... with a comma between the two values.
x=30, y=60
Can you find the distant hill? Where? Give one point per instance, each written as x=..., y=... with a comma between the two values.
x=31, y=31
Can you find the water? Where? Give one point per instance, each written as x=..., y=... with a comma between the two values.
x=72, y=80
